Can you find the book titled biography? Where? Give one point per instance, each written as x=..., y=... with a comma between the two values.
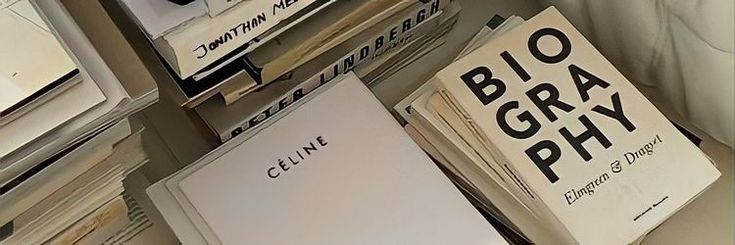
x=574, y=134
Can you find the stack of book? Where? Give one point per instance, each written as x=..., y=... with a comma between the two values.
x=66, y=141
x=236, y=65
x=543, y=133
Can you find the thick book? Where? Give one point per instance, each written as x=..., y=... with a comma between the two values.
x=587, y=153
x=312, y=174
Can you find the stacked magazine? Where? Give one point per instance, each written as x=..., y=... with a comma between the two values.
x=542, y=132
x=67, y=143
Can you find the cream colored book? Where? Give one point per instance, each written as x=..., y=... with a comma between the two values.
x=32, y=62
x=602, y=163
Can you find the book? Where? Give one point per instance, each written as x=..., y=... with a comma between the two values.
x=234, y=68
x=204, y=40
x=172, y=212
x=403, y=206
x=77, y=99
x=256, y=107
x=543, y=115
x=275, y=59
x=191, y=91
x=36, y=67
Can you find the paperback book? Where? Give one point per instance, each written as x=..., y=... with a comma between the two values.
x=540, y=125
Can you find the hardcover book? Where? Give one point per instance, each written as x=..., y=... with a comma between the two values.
x=311, y=178
x=572, y=138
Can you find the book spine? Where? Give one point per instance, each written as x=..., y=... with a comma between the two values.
x=373, y=48
x=205, y=40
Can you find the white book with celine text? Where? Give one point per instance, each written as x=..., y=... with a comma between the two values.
x=312, y=178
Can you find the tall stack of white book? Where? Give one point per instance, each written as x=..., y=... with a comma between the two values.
x=67, y=143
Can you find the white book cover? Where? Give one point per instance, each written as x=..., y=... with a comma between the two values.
x=32, y=61
x=204, y=40
x=337, y=170
x=601, y=157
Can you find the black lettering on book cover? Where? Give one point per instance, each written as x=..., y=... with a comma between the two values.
x=488, y=89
